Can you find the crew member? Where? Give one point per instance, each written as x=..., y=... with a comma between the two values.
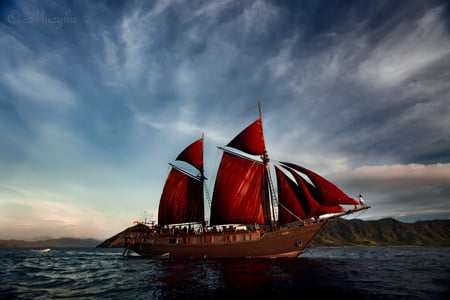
x=361, y=200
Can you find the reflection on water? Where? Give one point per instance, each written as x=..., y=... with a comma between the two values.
x=355, y=273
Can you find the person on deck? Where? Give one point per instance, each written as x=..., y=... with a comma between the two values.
x=361, y=200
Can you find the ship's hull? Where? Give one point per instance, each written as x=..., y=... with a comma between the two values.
x=288, y=241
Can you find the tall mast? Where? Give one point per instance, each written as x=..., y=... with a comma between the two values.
x=270, y=195
x=205, y=186
x=260, y=112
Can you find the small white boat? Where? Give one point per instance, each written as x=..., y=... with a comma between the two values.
x=42, y=250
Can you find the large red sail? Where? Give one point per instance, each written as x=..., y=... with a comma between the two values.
x=238, y=192
x=193, y=154
x=182, y=197
x=250, y=140
x=181, y=200
x=330, y=194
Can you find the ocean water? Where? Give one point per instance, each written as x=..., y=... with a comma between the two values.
x=353, y=273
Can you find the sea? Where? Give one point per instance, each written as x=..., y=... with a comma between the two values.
x=350, y=273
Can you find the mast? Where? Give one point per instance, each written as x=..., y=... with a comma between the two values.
x=269, y=197
x=203, y=178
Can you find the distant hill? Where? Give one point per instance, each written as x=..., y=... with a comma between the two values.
x=341, y=232
x=385, y=232
x=62, y=242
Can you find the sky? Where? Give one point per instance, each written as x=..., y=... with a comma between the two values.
x=97, y=97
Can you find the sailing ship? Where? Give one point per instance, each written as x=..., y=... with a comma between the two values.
x=249, y=215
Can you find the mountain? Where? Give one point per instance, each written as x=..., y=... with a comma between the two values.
x=61, y=242
x=385, y=232
x=341, y=232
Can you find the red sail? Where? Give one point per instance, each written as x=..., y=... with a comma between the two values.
x=193, y=154
x=330, y=194
x=311, y=200
x=313, y=196
x=305, y=198
x=292, y=204
x=323, y=210
x=250, y=140
x=181, y=200
x=238, y=192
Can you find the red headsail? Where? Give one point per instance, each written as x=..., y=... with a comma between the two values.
x=329, y=193
x=238, y=192
x=293, y=204
x=297, y=198
x=312, y=196
x=334, y=209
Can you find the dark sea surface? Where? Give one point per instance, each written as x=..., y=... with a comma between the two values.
x=353, y=273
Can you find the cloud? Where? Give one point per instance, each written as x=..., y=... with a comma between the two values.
x=402, y=190
x=32, y=208
x=30, y=218
x=210, y=10
x=345, y=96
x=37, y=86
x=406, y=49
x=404, y=175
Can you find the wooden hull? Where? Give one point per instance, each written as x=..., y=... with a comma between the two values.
x=285, y=242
